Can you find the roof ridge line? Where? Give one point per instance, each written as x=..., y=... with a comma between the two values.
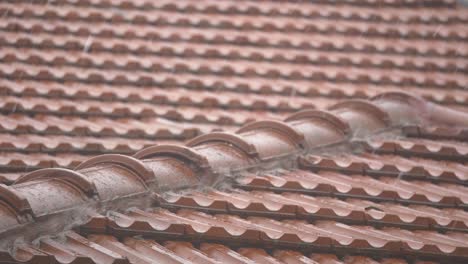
x=107, y=181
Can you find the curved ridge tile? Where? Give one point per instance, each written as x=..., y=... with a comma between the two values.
x=446, y=116
x=273, y=125
x=321, y=115
x=273, y=138
x=412, y=109
x=224, y=137
x=133, y=164
x=402, y=108
x=115, y=181
x=54, y=196
x=362, y=116
x=172, y=151
x=225, y=151
x=198, y=165
x=75, y=178
x=14, y=200
x=319, y=127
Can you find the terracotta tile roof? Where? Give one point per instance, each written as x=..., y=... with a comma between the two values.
x=289, y=191
x=233, y=131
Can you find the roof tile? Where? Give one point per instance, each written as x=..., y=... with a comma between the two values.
x=378, y=176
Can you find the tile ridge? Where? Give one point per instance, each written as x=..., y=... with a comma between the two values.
x=110, y=181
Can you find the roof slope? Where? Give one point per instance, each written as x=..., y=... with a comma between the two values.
x=340, y=182
x=167, y=92
x=83, y=78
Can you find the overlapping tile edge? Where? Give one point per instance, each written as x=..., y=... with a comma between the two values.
x=116, y=181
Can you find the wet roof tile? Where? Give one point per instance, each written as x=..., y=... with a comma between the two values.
x=390, y=208
x=148, y=251
x=223, y=170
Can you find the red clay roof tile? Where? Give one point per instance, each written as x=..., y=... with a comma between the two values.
x=379, y=176
x=105, y=175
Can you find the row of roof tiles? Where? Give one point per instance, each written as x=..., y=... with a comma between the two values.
x=57, y=144
x=109, y=249
x=387, y=188
x=408, y=3
x=166, y=80
x=370, y=163
x=28, y=24
x=148, y=63
x=149, y=128
x=306, y=10
x=161, y=49
x=291, y=234
x=66, y=73
x=437, y=133
x=161, y=97
x=136, y=110
x=22, y=162
x=255, y=229
x=291, y=72
x=414, y=146
x=164, y=18
x=233, y=37
x=115, y=36
x=294, y=205
x=226, y=94
x=105, y=178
